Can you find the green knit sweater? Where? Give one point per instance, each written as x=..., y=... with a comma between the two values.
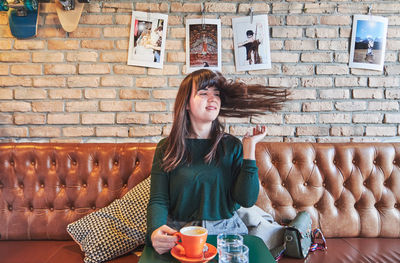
x=199, y=191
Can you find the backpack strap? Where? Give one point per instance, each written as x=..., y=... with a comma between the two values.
x=315, y=245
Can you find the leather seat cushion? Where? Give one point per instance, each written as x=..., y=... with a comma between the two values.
x=49, y=252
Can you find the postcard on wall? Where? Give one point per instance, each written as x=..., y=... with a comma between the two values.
x=147, y=39
x=203, y=44
x=251, y=43
x=368, y=42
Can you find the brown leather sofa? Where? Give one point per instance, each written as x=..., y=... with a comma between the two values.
x=352, y=191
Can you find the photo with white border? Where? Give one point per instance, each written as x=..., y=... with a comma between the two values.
x=203, y=44
x=147, y=39
x=368, y=42
x=251, y=43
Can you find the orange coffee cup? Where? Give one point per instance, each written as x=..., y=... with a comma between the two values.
x=191, y=241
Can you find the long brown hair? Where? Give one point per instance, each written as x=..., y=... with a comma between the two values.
x=237, y=100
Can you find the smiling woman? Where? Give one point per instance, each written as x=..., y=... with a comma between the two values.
x=202, y=175
x=204, y=106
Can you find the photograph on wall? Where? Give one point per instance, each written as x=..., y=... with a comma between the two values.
x=251, y=43
x=368, y=42
x=147, y=39
x=203, y=44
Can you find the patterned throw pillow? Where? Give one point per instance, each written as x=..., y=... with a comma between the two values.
x=116, y=229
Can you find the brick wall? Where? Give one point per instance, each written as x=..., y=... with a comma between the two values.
x=77, y=87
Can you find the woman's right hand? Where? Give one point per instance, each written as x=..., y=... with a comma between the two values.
x=162, y=239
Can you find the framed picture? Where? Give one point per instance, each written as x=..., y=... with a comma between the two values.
x=147, y=39
x=203, y=44
x=251, y=42
x=368, y=42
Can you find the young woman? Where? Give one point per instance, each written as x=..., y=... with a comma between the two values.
x=202, y=175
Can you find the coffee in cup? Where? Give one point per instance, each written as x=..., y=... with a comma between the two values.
x=191, y=241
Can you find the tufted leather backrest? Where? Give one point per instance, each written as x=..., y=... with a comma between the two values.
x=44, y=187
x=350, y=189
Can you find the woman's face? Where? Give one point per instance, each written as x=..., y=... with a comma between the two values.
x=204, y=105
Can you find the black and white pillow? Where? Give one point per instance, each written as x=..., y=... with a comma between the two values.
x=116, y=229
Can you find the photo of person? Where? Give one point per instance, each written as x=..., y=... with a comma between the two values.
x=368, y=42
x=147, y=39
x=251, y=42
x=203, y=44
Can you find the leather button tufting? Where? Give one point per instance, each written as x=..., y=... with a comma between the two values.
x=305, y=183
x=294, y=205
x=283, y=184
x=94, y=207
x=84, y=185
x=374, y=161
x=72, y=208
x=315, y=161
x=31, y=208
x=324, y=184
x=396, y=205
x=365, y=183
x=21, y=186
x=263, y=183
x=116, y=162
x=1, y=186
x=12, y=163
x=354, y=161
x=336, y=204
x=42, y=185
x=51, y=209
x=105, y=185
x=10, y=208
x=33, y=163
x=74, y=163
x=316, y=206
x=294, y=161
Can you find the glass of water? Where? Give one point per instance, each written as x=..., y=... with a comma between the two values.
x=231, y=249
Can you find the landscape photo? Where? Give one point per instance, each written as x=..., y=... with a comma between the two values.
x=368, y=42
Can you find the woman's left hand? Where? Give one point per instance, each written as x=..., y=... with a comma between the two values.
x=250, y=141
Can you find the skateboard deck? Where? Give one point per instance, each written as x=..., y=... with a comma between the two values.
x=69, y=19
x=23, y=19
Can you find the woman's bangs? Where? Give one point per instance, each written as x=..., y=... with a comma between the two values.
x=208, y=82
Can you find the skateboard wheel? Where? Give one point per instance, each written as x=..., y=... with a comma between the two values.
x=3, y=5
x=68, y=4
x=31, y=4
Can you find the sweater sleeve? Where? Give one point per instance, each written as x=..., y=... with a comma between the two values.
x=246, y=187
x=157, y=209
